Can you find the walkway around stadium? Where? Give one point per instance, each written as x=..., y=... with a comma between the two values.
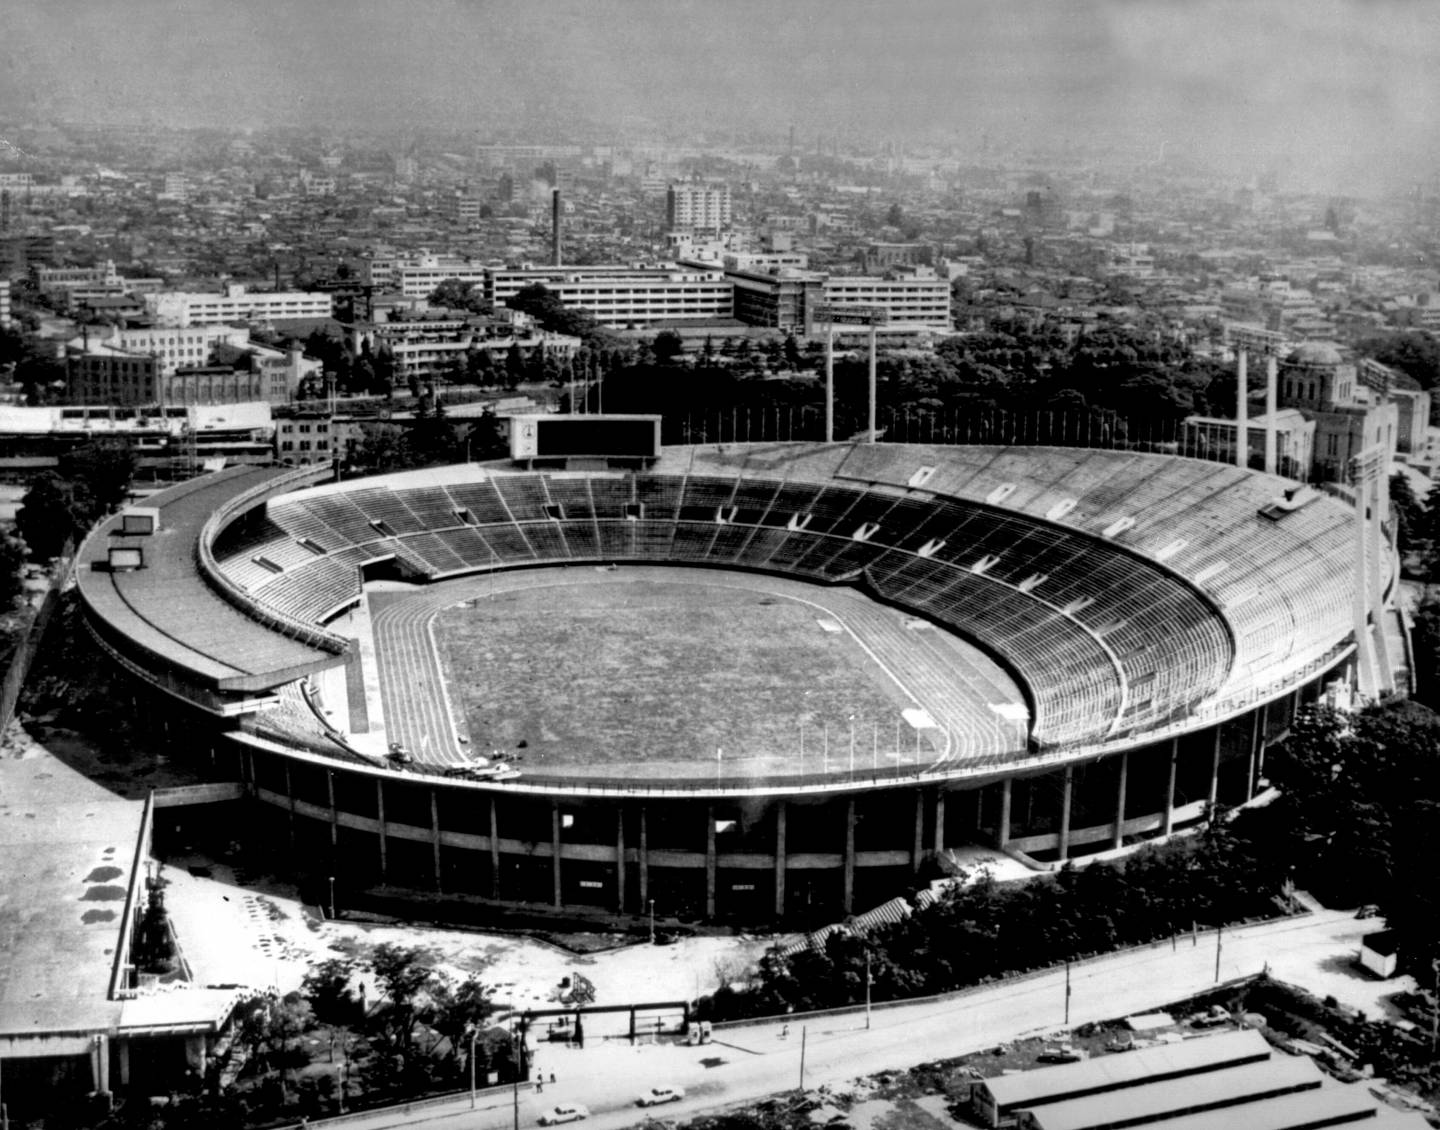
x=751, y=1060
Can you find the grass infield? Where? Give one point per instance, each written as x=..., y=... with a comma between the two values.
x=651, y=678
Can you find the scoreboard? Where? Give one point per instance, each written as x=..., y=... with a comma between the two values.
x=578, y=437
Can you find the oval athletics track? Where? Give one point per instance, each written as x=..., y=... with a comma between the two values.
x=959, y=687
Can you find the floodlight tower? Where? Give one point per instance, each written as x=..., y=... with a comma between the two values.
x=1269, y=345
x=831, y=316
x=1370, y=479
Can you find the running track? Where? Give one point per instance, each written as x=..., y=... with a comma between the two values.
x=930, y=669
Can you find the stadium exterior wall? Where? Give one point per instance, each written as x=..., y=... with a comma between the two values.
x=796, y=856
x=777, y=850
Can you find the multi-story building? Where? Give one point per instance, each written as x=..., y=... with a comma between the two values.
x=428, y=348
x=176, y=186
x=461, y=208
x=697, y=206
x=4, y=303
x=912, y=297
x=1348, y=416
x=775, y=297
x=187, y=308
x=16, y=180
x=105, y=374
x=49, y=280
x=171, y=347
x=417, y=277
x=179, y=439
x=304, y=437
x=624, y=297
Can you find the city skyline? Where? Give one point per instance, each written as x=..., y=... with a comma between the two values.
x=1339, y=95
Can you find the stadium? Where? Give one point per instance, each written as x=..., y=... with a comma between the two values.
x=743, y=682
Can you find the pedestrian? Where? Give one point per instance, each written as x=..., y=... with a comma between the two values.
x=540, y=1085
x=552, y=1076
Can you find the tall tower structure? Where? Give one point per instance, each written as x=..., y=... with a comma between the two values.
x=555, y=227
x=1370, y=479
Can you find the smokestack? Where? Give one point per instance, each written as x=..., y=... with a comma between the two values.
x=555, y=226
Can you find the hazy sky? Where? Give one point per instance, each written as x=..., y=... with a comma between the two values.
x=1338, y=85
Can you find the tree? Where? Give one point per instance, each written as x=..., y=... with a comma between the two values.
x=327, y=987
x=103, y=469
x=455, y=294
x=552, y=314
x=792, y=352
x=52, y=512
x=13, y=552
x=668, y=346
x=1409, y=512
x=404, y=974
x=461, y=1010
x=1359, y=794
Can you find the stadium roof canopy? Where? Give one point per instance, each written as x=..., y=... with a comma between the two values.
x=169, y=612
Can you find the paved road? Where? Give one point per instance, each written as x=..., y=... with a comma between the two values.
x=753, y=1061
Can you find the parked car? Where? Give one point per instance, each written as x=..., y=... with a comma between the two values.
x=1060, y=1053
x=399, y=755
x=565, y=1112
x=657, y=1095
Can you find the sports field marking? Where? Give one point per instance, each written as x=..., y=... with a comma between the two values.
x=953, y=675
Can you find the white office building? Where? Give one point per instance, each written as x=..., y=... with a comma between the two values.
x=190, y=308
x=623, y=297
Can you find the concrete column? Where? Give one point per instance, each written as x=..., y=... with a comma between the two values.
x=494, y=851
x=644, y=862
x=918, y=851
x=829, y=384
x=1242, y=409
x=1215, y=771
x=1002, y=834
x=100, y=1062
x=334, y=813
x=779, y=859
x=1264, y=741
x=122, y=1058
x=435, y=840
x=1117, y=837
x=1169, y=826
x=620, y=858
x=1250, y=763
x=1271, y=456
x=848, y=898
x=939, y=838
x=709, y=861
x=870, y=410
x=556, y=896
x=380, y=816
x=290, y=798
x=1065, y=813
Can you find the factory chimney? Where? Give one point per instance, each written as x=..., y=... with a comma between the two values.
x=555, y=226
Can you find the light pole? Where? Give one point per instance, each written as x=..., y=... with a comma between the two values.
x=518, y=1057
x=332, y=898
x=652, y=922
x=867, y=990
x=474, y=1032
x=852, y=744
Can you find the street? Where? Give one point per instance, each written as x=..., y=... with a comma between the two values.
x=748, y=1062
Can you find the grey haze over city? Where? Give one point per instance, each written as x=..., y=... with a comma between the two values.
x=1342, y=96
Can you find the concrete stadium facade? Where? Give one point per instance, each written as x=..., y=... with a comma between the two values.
x=1149, y=565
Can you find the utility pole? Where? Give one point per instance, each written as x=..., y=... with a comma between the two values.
x=1219, y=932
x=475, y=1031
x=515, y=1089
x=867, y=990
x=802, y=1058
x=1067, y=990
